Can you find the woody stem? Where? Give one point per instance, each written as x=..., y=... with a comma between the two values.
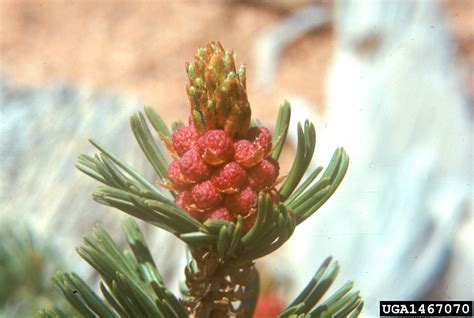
x=217, y=288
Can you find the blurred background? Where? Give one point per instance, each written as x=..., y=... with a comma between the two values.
x=391, y=81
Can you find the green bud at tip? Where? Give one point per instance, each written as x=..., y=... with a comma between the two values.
x=192, y=91
x=201, y=52
x=191, y=70
x=198, y=121
x=231, y=75
x=199, y=82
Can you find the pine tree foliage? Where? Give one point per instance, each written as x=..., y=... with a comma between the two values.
x=221, y=279
x=26, y=262
x=131, y=284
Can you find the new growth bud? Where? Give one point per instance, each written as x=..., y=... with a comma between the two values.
x=223, y=162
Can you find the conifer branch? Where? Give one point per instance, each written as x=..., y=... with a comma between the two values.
x=228, y=218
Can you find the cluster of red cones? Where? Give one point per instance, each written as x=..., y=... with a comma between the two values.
x=219, y=178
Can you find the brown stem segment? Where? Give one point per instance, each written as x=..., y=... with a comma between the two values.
x=217, y=288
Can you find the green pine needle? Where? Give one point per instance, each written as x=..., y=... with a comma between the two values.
x=281, y=128
x=342, y=303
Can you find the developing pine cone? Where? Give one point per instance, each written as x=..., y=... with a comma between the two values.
x=223, y=163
